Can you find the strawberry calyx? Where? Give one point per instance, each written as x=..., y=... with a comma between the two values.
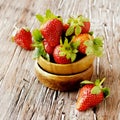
x=75, y=25
x=69, y=49
x=48, y=16
x=97, y=87
x=39, y=46
x=94, y=46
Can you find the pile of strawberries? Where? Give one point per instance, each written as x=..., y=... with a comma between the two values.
x=60, y=42
x=64, y=43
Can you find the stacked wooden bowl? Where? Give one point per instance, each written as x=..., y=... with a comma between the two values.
x=64, y=77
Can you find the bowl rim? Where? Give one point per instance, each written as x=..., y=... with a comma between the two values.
x=63, y=65
x=38, y=67
x=72, y=68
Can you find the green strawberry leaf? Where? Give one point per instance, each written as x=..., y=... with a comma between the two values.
x=94, y=47
x=40, y=18
x=106, y=91
x=83, y=19
x=81, y=23
x=77, y=30
x=40, y=51
x=73, y=57
x=91, y=33
x=86, y=82
x=96, y=90
x=48, y=13
x=48, y=16
x=97, y=82
x=37, y=53
x=75, y=51
x=98, y=41
x=69, y=49
x=70, y=20
x=70, y=31
x=37, y=35
x=75, y=44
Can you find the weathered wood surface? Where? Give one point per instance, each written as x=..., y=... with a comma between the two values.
x=22, y=97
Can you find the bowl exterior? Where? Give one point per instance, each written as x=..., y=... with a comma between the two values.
x=76, y=67
x=62, y=82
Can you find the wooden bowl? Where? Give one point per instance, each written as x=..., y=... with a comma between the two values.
x=75, y=67
x=62, y=82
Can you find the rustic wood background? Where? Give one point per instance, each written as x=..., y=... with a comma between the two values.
x=22, y=97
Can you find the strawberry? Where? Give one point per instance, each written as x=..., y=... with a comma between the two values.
x=49, y=49
x=65, y=53
x=65, y=27
x=82, y=38
x=60, y=59
x=86, y=27
x=23, y=38
x=78, y=25
x=51, y=28
x=91, y=94
x=89, y=45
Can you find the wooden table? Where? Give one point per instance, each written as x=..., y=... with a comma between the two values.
x=22, y=97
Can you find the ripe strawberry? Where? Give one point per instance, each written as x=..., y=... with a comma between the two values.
x=65, y=53
x=65, y=27
x=52, y=31
x=91, y=95
x=86, y=27
x=49, y=49
x=60, y=59
x=82, y=38
x=24, y=39
x=89, y=45
x=51, y=28
x=78, y=25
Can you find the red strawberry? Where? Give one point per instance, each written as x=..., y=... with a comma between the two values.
x=91, y=95
x=49, y=49
x=52, y=31
x=60, y=59
x=51, y=27
x=24, y=39
x=65, y=27
x=82, y=38
x=89, y=45
x=78, y=25
x=85, y=28
x=65, y=53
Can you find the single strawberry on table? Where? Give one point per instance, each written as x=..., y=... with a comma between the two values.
x=23, y=38
x=91, y=94
x=51, y=27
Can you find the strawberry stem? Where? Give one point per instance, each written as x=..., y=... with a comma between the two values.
x=102, y=81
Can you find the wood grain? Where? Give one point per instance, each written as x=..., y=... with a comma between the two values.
x=22, y=97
